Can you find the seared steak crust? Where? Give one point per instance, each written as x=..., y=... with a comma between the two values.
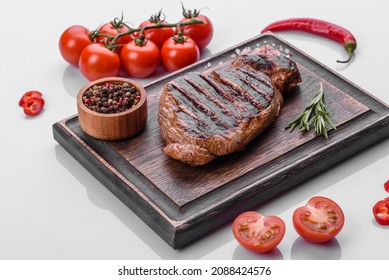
x=218, y=112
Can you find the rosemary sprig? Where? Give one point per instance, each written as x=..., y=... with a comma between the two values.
x=315, y=114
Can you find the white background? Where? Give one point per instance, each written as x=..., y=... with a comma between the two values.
x=52, y=208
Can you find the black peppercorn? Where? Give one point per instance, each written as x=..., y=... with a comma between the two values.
x=111, y=98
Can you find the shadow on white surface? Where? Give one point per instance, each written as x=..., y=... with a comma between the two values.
x=304, y=250
x=241, y=253
x=102, y=198
x=73, y=80
x=376, y=224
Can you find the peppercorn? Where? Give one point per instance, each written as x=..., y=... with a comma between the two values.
x=110, y=98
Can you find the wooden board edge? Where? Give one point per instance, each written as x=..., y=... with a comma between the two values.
x=254, y=195
x=164, y=227
x=180, y=234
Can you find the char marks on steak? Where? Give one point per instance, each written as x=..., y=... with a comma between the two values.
x=219, y=111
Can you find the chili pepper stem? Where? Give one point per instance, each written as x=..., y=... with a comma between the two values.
x=347, y=60
x=350, y=47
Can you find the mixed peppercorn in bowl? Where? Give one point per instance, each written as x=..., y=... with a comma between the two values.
x=112, y=108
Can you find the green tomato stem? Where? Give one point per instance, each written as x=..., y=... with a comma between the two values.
x=112, y=39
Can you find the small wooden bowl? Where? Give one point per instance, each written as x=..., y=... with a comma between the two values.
x=114, y=126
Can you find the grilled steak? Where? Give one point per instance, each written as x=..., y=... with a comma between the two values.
x=219, y=111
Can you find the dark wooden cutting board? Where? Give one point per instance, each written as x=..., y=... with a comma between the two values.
x=182, y=203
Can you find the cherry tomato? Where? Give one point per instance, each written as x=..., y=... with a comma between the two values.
x=319, y=221
x=33, y=106
x=140, y=60
x=258, y=233
x=113, y=29
x=176, y=55
x=157, y=35
x=28, y=95
x=72, y=42
x=201, y=33
x=386, y=186
x=96, y=61
x=381, y=212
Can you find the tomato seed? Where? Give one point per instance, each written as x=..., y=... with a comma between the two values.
x=275, y=226
x=321, y=226
x=244, y=226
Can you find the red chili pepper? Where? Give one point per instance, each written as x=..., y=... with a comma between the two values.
x=386, y=186
x=33, y=106
x=28, y=95
x=381, y=212
x=318, y=27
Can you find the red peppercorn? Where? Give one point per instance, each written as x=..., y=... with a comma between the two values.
x=111, y=98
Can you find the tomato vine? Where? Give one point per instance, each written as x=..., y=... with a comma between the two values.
x=112, y=39
x=98, y=53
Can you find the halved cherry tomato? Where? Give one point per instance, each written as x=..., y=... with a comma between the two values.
x=33, y=106
x=28, y=95
x=319, y=221
x=381, y=212
x=386, y=186
x=258, y=233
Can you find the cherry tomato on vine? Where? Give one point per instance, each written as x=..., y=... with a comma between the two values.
x=157, y=35
x=258, y=233
x=381, y=212
x=320, y=220
x=201, y=33
x=96, y=61
x=28, y=95
x=33, y=106
x=113, y=29
x=176, y=55
x=140, y=59
x=72, y=42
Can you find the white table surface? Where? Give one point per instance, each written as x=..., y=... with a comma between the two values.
x=52, y=208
